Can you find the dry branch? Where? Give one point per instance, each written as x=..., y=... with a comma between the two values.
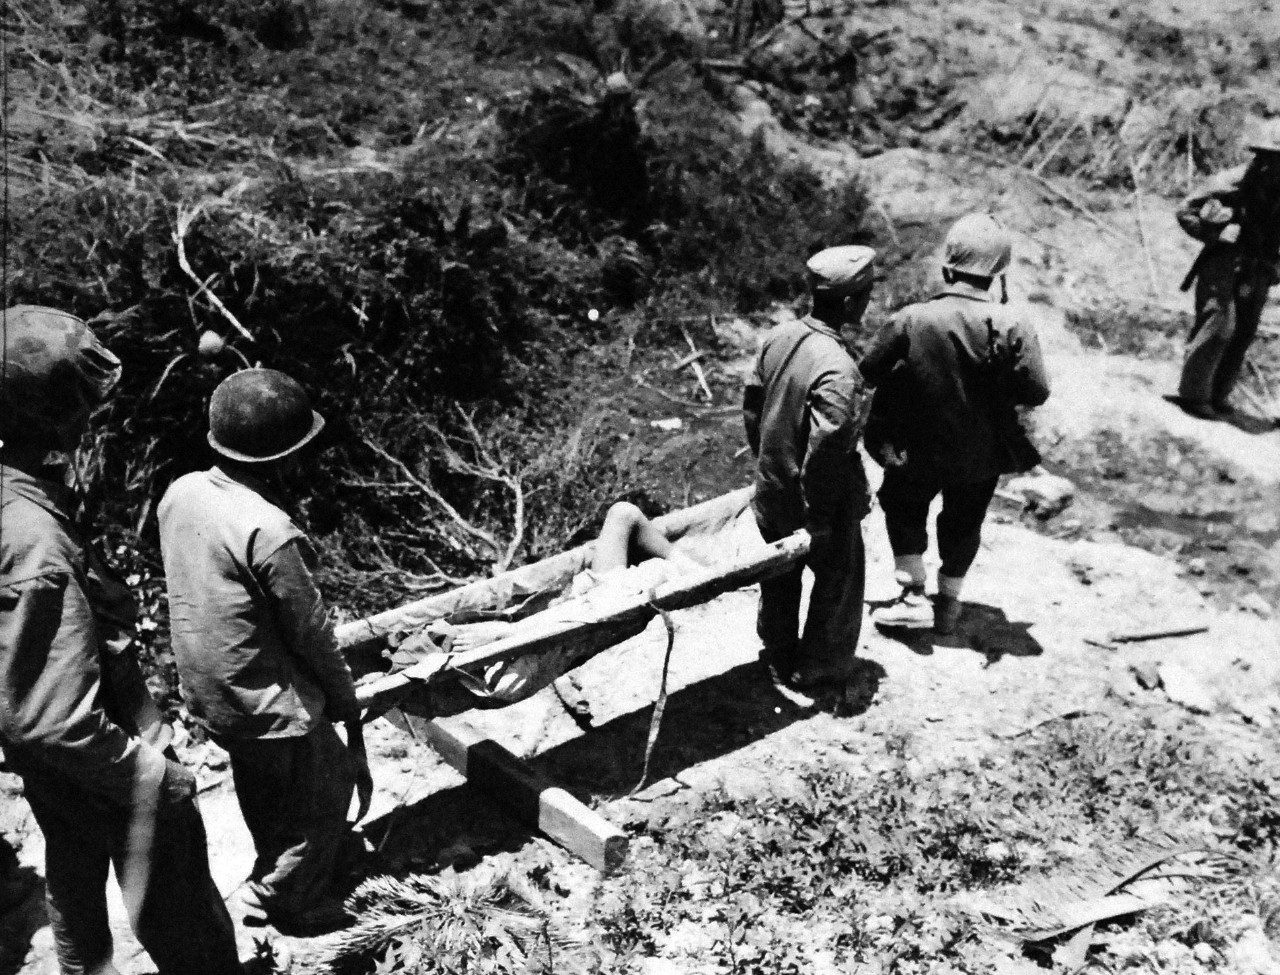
x=435, y=497
x=488, y=470
x=1053, y=150
x=1142, y=231
x=1053, y=189
x=697, y=367
x=185, y=219
x=1139, y=636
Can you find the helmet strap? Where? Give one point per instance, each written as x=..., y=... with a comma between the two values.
x=1004, y=290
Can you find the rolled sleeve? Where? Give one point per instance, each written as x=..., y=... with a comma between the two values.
x=288, y=578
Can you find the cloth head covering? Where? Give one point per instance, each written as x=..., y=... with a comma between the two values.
x=842, y=271
x=53, y=366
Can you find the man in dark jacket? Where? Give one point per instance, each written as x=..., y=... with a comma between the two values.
x=258, y=663
x=803, y=408
x=1237, y=217
x=948, y=373
x=76, y=720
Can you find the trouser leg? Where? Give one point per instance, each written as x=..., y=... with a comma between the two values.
x=294, y=793
x=174, y=906
x=77, y=842
x=905, y=504
x=778, y=618
x=834, y=621
x=1251, y=296
x=1214, y=326
x=261, y=770
x=964, y=508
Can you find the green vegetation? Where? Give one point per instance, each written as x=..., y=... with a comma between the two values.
x=411, y=207
x=870, y=862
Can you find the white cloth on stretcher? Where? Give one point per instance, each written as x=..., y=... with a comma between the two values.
x=590, y=594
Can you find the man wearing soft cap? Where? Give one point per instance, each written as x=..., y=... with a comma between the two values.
x=803, y=408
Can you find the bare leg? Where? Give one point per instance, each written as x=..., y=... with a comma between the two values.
x=627, y=530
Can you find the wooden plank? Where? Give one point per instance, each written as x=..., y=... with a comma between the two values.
x=512, y=587
x=604, y=627
x=530, y=795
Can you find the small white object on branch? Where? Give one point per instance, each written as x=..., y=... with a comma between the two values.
x=185, y=219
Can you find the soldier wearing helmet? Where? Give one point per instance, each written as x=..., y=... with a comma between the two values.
x=76, y=720
x=259, y=666
x=948, y=373
x=1236, y=215
x=803, y=408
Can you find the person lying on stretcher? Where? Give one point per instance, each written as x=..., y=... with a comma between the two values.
x=631, y=556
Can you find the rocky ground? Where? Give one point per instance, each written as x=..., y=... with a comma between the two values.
x=1174, y=523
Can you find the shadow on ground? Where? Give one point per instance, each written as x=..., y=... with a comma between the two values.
x=21, y=918
x=1250, y=422
x=702, y=721
x=984, y=629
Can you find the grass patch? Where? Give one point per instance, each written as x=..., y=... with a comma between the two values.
x=1144, y=332
x=866, y=862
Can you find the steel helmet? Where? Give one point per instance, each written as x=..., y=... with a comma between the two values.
x=54, y=368
x=258, y=415
x=978, y=245
x=1264, y=136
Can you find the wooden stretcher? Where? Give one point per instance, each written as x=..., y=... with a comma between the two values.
x=714, y=528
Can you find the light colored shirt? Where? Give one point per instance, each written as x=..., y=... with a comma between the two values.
x=251, y=634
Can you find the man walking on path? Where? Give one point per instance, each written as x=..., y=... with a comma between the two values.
x=803, y=407
x=256, y=654
x=948, y=373
x=1237, y=217
x=77, y=722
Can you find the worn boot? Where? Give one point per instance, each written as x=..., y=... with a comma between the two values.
x=320, y=917
x=910, y=610
x=947, y=605
x=946, y=614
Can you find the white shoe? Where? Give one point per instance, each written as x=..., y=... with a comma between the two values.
x=911, y=610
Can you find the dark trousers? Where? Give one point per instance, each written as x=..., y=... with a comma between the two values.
x=830, y=640
x=1229, y=304
x=162, y=865
x=293, y=794
x=905, y=502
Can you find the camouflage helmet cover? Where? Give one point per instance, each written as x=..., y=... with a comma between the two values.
x=978, y=245
x=52, y=367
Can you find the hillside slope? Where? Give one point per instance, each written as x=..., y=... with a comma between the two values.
x=776, y=835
